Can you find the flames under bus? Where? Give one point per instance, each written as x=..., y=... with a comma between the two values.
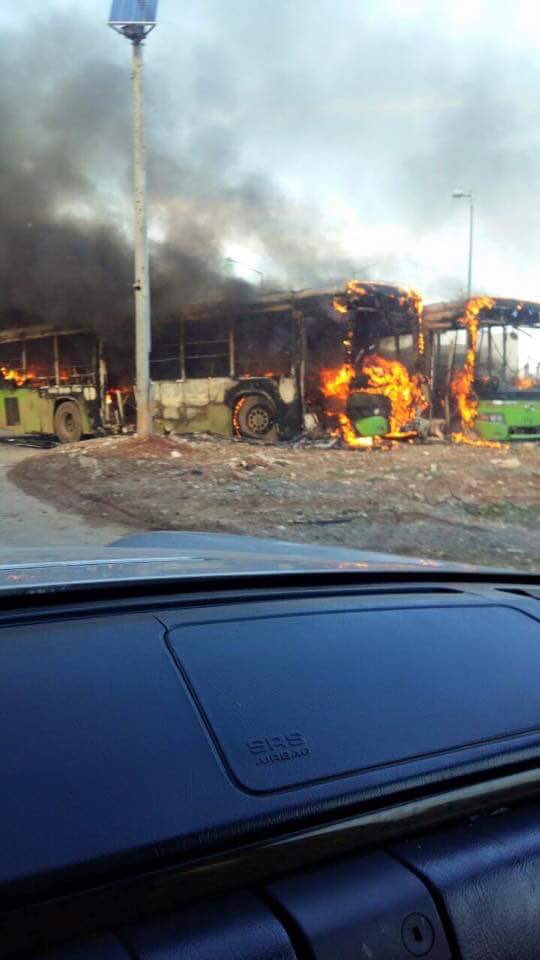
x=55, y=383
x=346, y=359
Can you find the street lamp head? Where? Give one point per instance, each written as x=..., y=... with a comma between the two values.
x=460, y=194
x=133, y=18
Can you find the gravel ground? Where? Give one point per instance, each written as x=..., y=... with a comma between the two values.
x=442, y=501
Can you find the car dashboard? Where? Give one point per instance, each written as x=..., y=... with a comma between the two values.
x=330, y=766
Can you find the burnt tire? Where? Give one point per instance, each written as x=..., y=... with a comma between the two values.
x=255, y=418
x=68, y=422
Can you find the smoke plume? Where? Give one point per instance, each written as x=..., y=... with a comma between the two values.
x=65, y=183
x=299, y=131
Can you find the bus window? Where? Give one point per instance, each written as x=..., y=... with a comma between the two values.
x=206, y=348
x=77, y=357
x=40, y=358
x=165, y=363
x=407, y=350
x=11, y=357
x=264, y=345
x=390, y=347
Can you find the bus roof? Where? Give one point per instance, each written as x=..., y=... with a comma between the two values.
x=38, y=332
x=505, y=312
x=289, y=300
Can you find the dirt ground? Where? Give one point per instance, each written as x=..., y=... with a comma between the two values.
x=436, y=500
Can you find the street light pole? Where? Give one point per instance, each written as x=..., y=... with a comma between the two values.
x=468, y=195
x=141, y=284
x=471, y=236
x=135, y=19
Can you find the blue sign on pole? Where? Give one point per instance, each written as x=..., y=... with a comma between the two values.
x=136, y=12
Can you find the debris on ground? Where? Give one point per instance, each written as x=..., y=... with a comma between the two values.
x=434, y=500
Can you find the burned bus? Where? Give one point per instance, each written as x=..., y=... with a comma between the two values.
x=54, y=382
x=347, y=359
x=477, y=389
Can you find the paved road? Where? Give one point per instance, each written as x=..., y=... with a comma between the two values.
x=27, y=522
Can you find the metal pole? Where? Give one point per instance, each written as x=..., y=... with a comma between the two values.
x=141, y=285
x=471, y=235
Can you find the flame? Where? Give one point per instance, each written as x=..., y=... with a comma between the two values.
x=355, y=289
x=418, y=307
x=392, y=379
x=351, y=438
x=335, y=383
x=387, y=377
x=524, y=383
x=236, y=416
x=475, y=441
x=17, y=376
x=462, y=381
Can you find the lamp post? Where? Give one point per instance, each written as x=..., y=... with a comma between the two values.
x=468, y=195
x=135, y=19
x=246, y=267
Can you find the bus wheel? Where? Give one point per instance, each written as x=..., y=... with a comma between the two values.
x=255, y=417
x=68, y=422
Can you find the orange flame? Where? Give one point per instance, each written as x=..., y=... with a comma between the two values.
x=418, y=306
x=335, y=383
x=355, y=289
x=475, y=441
x=349, y=435
x=462, y=381
x=236, y=416
x=16, y=376
x=392, y=379
x=524, y=383
x=387, y=377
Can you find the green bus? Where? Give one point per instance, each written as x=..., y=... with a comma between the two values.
x=507, y=414
x=55, y=383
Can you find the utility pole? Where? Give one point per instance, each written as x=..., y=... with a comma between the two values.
x=141, y=284
x=135, y=19
x=468, y=195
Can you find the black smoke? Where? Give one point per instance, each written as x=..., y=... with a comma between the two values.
x=65, y=188
x=258, y=118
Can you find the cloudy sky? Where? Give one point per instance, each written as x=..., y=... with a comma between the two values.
x=310, y=139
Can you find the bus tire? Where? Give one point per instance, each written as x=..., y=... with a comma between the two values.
x=68, y=422
x=254, y=417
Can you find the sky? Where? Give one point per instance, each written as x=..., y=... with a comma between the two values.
x=311, y=140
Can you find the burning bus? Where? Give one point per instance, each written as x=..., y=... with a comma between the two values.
x=347, y=359
x=474, y=367
x=55, y=382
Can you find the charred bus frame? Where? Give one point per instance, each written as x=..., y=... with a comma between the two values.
x=449, y=338
x=253, y=367
x=54, y=382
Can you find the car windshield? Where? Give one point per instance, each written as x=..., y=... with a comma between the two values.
x=271, y=270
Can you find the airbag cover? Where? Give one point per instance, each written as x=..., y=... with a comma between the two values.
x=298, y=699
